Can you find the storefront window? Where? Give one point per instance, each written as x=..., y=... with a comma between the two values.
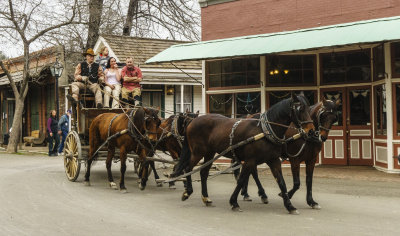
x=379, y=63
x=397, y=112
x=334, y=96
x=380, y=109
x=291, y=70
x=277, y=96
x=242, y=104
x=221, y=104
x=247, y=104
x=346, y=67
x=233, y=72
x=396, y=60
x=359, y=101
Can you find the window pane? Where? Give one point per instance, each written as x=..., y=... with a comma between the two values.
x=238, y=65
x=247, y=103
x=359, y=107
x=214, y=81
x=290, y=70
x=221, y=104
x=396, y=58
x=253, y=78
x=253, y=64
x=277, y=96
x=333, y=96
x=379, y=63
x=398, y=108
x=226, y=66
x=214, y=67
x=380, y=106
x=238, y=79
x=226, y=80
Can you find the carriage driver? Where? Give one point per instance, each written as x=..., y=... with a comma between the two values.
x=88, y=74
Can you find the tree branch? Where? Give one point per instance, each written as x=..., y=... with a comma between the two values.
x=13, y=86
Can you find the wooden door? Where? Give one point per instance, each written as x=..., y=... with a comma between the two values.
x=350, y=140
x=359, y=128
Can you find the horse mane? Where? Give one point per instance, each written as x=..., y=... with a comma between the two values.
x=279, y=110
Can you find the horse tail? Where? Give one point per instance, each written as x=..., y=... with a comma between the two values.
x=184, y=159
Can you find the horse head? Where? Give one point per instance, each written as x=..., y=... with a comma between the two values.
x=325, y=117
x=183, y=120
x=300, y=114
x=151, y=123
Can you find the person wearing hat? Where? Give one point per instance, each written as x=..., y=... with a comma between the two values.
x=88, y=74
x=63, y=128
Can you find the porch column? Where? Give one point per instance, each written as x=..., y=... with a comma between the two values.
x=182, y=91
x=203, y=88
x=389, y=106
x=263, y=80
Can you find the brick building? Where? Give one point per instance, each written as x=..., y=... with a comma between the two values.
x=255, y=52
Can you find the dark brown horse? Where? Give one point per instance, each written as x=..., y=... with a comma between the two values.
x=210, y=134
x=170, y=138
x=324, y=115
x=139, y=130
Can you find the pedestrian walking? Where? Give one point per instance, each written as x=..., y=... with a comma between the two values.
x=52, y=124
x=63, y=129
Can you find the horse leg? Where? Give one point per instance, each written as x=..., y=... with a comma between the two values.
x=172, y=184
x=295, y=166
x=156, y=177
x=261, y=191
x=309, y=177
x=122, y=158
x=194, y=159
x=204, y=176
x=243, y=177
x=87, y=175
x=144, y=172
x=276, y=170
x=111, y=152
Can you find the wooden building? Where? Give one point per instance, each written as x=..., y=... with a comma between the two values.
x=41, y=97
x=255, y=52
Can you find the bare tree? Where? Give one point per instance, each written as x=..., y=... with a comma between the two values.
x=132, y=11
x=22, y=21
x=95, y=11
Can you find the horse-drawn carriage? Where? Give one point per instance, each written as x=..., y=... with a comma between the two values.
x=77, y=142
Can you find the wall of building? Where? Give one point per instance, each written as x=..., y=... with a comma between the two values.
x=197, y=103
x=249, y=17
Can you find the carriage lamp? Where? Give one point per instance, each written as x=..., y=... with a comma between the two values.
x=56, y=71
x=170, y=90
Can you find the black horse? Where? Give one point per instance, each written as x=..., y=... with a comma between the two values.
x=210, y=134
x=324, y=115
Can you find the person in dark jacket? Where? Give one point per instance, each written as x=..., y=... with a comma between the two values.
x=52, y=124
x=63, y=128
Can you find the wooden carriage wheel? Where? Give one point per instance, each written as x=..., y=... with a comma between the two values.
x=72, y=155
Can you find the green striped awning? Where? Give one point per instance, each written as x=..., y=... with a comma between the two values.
x=370, y=31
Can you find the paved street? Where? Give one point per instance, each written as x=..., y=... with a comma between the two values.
x=37, y=199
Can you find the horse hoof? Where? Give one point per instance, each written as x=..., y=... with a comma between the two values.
x=316, y=207
x=264, y=200
x=113, y=185
x=123, y=190
x=236, y=208
x=185, y=196
x=247, y=199
x=159, y=184
x=294, y=212
x=280, y=194
x=173, y=187
x=141, y=187
x=86, y=183
x=206, y=200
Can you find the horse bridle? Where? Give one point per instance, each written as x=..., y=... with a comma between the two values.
x=295, y=106
x=321, y=111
